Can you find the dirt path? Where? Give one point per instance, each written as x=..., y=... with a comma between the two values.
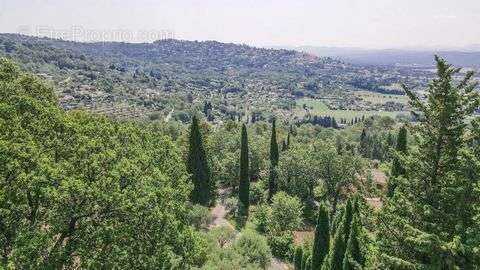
x=276, y=264
x=219, y=212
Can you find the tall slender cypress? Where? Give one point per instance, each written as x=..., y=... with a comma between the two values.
x=244, y=186
x=401, y=148
x=334, y=259
x=308, y=263
x=322, y=238
x=298, y=258
x=347, y=223
x=363, y=149
x=274, y=145
x=397, y=168
x=273, y=162
x=197, y=166
x=288, y=139
x=354, y=259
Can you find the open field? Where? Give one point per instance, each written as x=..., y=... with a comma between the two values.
x=378, y=98
x=318, y=107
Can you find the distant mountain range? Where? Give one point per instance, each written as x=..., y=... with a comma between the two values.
x=458, y=56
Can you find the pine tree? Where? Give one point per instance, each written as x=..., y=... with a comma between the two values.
x=354, y=259
x=322, y=238
x=197, y=166
x=430, y=223
x=244, y=183
x=273, y=162
x=298, y=258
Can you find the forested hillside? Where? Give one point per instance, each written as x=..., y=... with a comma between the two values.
x=83, y=191
x=150, y=79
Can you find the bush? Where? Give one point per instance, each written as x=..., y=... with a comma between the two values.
x=257, y=192
x=281, y=245
x=262, y=217
x=254, y=248
x=222, y=236
x=231, y=204
x=227, y=259
x=286, y=212
x=200, y=217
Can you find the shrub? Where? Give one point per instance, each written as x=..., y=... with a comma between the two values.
x=281, y=245
x=257, y=192
x=200, y=217
x=262, y=217
x=222, y=235
x=232, y=205
x=286, y=212
x=254, y=248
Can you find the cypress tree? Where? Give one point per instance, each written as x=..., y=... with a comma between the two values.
x=288, y=139
x=244, y=183
x=397, y=168
x=334, y=259
x=401, y=147
x=347, y=219
x=274, y=145
x=273, y=162
x=432, y=221
x=363, y=143
x=334, y=123
x=308, y=264
x=322, y=238
x=354, y=259
x=298, y=258
x=306, y=261
x=336, y=220
x=284, y=146
x=197, y=166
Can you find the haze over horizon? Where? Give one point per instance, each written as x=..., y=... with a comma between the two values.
x=378, y=24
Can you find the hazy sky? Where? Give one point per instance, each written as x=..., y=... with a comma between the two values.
x=346, y=23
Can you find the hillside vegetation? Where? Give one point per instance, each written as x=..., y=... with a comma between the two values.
x=150, y=79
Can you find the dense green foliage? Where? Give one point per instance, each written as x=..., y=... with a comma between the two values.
x=322, y=238
x=298, y=258
x=85, y=191
x=272, y=180
x=80, y=189
x=244, y=188
x=197, y=166
x=401, y=147
x=353, y=258
x=397, y=167
x=431, y=222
